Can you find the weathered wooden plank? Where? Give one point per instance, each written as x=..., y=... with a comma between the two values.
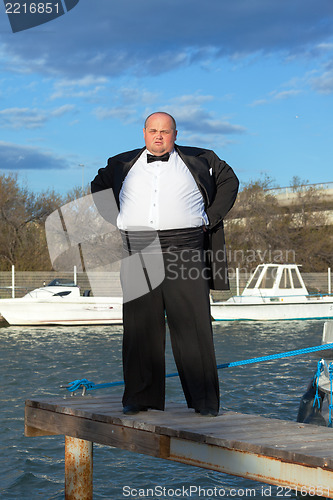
x=98, y=432
x=279, y=436
x=180, y=422
x=35, y=432
x=291, y=474
x=110, y=411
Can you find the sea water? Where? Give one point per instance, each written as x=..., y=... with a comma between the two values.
x=36, y=361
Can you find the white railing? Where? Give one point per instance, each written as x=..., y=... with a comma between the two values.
x=16, y=284
x=294, y=189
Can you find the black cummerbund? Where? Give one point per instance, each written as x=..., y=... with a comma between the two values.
x=168, y=240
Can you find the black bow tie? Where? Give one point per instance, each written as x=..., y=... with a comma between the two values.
x=151, y=158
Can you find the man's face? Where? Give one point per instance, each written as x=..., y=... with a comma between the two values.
x=159, y=134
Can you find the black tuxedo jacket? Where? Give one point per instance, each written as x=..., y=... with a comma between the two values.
x=217, y=183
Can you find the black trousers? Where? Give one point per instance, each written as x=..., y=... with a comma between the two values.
x=183, y=298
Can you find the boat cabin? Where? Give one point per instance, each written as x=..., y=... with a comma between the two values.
x=56, y=288
x=276, y=280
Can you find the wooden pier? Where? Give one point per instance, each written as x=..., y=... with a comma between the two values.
x=284, y=453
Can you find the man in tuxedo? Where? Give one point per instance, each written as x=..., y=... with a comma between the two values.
x=181, y=194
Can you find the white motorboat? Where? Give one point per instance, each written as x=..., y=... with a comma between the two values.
x=274, y=292
x=61, y=304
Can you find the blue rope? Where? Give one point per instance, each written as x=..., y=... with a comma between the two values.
x=330, y=371
x=87, y=385
x=90, y=386
x=316, y=381
x=286, y=354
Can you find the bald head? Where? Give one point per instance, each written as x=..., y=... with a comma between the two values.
x=161, y=113
x=160, y=133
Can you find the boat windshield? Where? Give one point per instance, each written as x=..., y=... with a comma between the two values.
x=285, y=281
x=296, y=281
x=61, y=282
x=268, y=278
x=254, y=279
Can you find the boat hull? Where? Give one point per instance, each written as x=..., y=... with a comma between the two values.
x=272, y=312
x=82, y=311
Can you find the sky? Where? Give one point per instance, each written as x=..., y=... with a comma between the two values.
x=250, y=79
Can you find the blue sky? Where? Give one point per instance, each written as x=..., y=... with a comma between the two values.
x=250, y=79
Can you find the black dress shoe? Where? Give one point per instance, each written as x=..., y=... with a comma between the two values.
x=133, y=409
x=207, y=412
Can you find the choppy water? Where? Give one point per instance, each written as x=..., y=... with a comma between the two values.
x=34, y=362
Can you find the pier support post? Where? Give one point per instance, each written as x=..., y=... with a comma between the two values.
x=78, y=469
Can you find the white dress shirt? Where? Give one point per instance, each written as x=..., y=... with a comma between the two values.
x=160, y=195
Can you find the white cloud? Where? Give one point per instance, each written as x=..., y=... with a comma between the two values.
x=258, y=102
x=18, y=157
x=86, y=87
x=120, y=112
x=30, y=118
x=192, y=116
x=211, y=141
x=324, y=83
x=285, y=94
x=62, y=110
x=188, y=110
x=276, y=95
x=110, y=38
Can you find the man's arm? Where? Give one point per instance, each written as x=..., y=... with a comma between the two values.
x=104, y=178
x=226, y=190
x=102, y=193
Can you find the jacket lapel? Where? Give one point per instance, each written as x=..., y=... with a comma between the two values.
x=128, y=162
